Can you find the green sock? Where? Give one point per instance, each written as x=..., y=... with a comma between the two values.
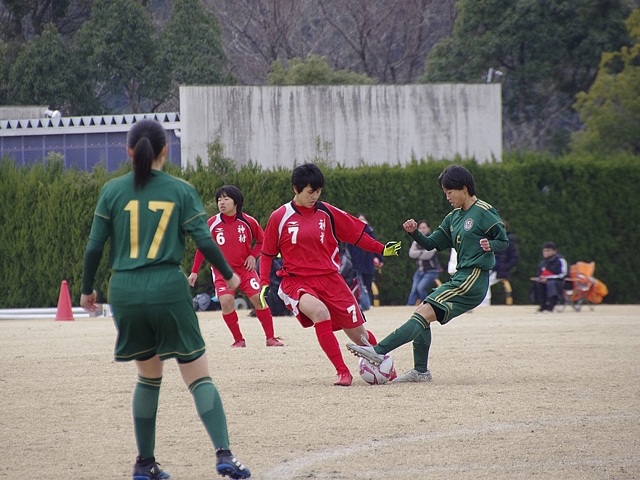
x=145, y=407
x=421, y=346
x=403, y=334
x=209, y=407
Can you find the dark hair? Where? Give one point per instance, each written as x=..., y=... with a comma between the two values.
x=146, y=138
x=233, y=193
x=424, y=221
x=307, y=174
x=455, y=177
x=550, y=245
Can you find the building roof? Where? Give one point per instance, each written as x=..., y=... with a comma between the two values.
x=83, y=124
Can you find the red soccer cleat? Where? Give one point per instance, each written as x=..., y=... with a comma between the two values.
x=344, y=379
x=274, y=342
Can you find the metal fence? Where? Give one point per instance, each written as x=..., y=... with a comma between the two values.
x=83, y=141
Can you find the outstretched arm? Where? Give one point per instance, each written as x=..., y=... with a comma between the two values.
x=437, y=240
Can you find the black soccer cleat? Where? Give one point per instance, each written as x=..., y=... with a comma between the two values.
x=229, y=466
x=148, y=469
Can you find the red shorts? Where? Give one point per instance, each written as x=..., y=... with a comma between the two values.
x=331, y=290
x=249, y=283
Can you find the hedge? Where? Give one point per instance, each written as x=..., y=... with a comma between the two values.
x=586, y=205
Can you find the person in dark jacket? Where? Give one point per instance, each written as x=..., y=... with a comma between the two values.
x=549, y=279
x=363, y=265
x=506, y=259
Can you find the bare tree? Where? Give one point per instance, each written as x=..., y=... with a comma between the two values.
x=257, y=32
x=386, y=39
x=390, y=39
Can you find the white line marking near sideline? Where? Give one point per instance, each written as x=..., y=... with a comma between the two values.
x=293, y=468
x=419, y=471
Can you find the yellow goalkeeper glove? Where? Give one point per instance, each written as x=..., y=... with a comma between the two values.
x=263, y=296
x=391, y=249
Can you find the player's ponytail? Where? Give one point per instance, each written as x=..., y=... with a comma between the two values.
x=146, y=138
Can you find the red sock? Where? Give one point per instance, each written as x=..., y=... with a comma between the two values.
x=266, y=320
x=329, y=344
x=231, y=319
x=372, y=339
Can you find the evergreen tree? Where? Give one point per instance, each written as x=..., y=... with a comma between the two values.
x=191, y=49
x=611, y=109
x=547, y=51
x=45, y=73
x=118, y=45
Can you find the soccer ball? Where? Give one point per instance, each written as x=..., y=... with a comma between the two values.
x=377, y=374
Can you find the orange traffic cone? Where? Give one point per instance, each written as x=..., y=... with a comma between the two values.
x=64, y=303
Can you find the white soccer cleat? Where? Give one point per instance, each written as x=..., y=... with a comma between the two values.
x=413, y=376
x=366, y=352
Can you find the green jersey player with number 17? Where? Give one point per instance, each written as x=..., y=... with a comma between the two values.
x=146, y=215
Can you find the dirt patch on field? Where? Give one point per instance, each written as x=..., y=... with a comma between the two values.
x=514, y=395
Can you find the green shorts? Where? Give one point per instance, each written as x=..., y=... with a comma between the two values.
x=464, y=291
x=154, y=315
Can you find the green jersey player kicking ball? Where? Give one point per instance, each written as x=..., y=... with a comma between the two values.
x=475, y=230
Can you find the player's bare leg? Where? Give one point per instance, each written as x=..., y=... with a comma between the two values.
x=318, y=313
x=360, y=335
x=151, y=368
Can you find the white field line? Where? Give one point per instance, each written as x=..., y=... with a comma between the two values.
x=297, y=467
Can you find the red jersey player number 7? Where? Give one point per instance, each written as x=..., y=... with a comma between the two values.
x=307, y=234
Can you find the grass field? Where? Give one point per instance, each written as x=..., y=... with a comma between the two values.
x=515, y=395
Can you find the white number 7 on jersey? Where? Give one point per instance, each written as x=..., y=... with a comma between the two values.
x=352, y=311
x=293, y=230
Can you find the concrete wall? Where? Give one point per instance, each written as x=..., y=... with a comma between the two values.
x=372, y=124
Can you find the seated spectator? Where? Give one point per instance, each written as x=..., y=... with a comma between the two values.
x=549, y=279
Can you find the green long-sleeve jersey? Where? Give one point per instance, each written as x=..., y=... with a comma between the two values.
x=148, y=226
x=463, y=229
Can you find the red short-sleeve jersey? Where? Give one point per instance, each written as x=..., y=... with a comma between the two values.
x=234, y=235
